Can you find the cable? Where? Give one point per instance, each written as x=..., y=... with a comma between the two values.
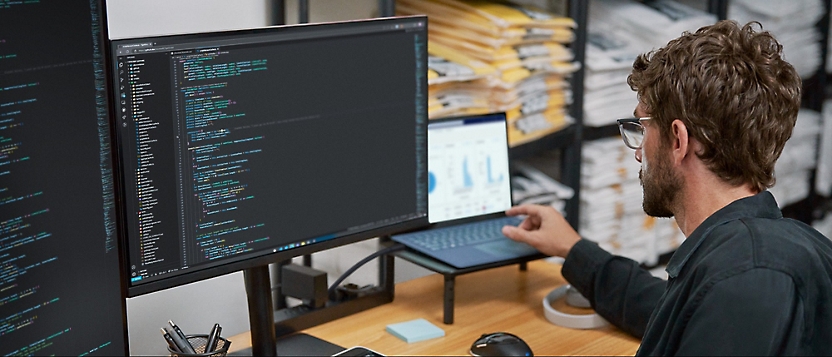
x=360, y=263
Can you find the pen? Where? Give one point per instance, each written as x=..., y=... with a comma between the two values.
x=170, y=342
x=180, y=341
x=213, y=338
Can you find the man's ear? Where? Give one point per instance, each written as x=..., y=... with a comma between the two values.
x=680, y=142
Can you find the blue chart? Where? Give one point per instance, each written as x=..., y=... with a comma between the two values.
x=467, y=181
x=431, y=182
x=490, y=169
x=462, y=176
x=468, y=178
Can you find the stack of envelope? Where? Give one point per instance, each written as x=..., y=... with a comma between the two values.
x=794, y=168
x=611, y=212
x=457, y=83
x=620, y=30
x=793, y=23
x=525, y=46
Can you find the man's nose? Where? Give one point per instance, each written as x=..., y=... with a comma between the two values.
x=638, y=155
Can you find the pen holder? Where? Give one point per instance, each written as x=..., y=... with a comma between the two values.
x=199, y=343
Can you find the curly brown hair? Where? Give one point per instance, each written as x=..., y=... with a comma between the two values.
x=730, y=86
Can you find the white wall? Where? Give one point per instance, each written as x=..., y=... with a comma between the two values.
x=328, y=10
x=196, y=307
x=135, y=18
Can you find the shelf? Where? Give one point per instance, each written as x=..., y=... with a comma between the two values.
x=808, y=209
x=600, y=132
x=557, y=140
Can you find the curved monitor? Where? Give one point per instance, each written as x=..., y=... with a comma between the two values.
x=242, y=148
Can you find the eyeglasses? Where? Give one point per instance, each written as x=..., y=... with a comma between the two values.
x=632, y=131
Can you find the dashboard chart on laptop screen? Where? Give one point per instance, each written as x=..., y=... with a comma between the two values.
x=468, y=168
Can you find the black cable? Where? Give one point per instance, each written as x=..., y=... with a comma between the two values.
x=352, y=269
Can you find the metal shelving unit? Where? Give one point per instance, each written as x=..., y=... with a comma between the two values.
x=569, y=141
x=578, y=10
x=813, y=206
x=814, y=95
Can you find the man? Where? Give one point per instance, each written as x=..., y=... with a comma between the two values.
x=715, y=110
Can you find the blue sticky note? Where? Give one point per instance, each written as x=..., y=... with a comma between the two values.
x=415, y=330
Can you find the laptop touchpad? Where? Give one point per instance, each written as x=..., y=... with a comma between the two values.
x=506, y=247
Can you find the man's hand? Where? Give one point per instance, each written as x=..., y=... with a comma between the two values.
x=544, y=228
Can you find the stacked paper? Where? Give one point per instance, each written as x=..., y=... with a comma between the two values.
x=823, y=178
x=609, y=60
x=456, y=83
x=799, y=157
x=611, y=212
x=792, y=23
x=533, y=186
x=619, y=30
x=653, y=22
x=526, y=49
x=829, y=54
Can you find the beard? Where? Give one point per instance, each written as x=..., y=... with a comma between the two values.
x=661, y=187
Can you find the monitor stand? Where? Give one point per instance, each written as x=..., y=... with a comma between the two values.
x=273, y=335
x=299, y=344
x=261, y=319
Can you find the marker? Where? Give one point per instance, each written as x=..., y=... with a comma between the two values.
x=180, y=339
x=170, y=342
x=213, y=339
x=177, y=330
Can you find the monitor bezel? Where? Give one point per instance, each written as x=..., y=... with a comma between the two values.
x=265, y=257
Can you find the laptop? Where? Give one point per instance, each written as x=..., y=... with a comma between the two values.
x=469, y=189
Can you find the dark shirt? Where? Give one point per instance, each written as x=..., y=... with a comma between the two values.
x=746, y=281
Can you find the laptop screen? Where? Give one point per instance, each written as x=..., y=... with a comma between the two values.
x=468, y=171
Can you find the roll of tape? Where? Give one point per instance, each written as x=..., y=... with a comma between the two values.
x=559, y=318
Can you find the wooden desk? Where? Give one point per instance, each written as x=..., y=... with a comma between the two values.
x=501, y=299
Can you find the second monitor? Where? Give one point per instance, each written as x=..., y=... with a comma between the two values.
x=241, y=148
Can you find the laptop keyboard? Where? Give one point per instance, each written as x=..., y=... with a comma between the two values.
x=462, y=235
